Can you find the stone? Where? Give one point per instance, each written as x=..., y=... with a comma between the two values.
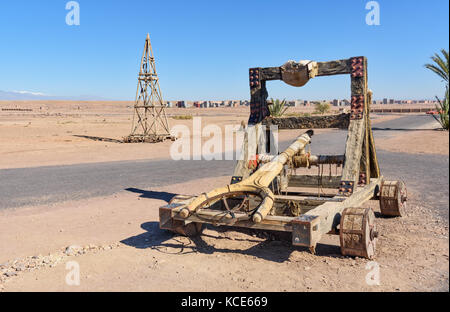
x=10, y=274
x=19, y=268
x=72, y=250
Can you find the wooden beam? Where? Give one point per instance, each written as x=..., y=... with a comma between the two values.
x=339, y=67
x=273, y=223
x=353, y=150
x=308, y=200
x=314, y=181
x=356, y=130
x=373, y=161
x=271, y=73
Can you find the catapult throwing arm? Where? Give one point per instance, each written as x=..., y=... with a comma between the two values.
x=265, y=175
x=256, y=184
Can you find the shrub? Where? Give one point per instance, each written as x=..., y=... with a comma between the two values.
x=182, y=117
x=322, y=108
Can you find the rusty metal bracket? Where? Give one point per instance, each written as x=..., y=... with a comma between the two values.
x=255, y=77
x=357, y=66
x=305, y=231
x=357, y=107
x=235, y=180
x=362, y=178
x=346, y=188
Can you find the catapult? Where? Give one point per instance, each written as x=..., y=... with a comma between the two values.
x=265, y=192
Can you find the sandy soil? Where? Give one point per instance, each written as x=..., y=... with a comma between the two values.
x=124, y=250
x=419, y=142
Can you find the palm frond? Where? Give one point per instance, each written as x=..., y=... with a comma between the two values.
x=440, y=66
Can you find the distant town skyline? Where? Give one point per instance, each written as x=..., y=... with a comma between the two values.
x=293, y=103
x=203, y=49
x=30, y=96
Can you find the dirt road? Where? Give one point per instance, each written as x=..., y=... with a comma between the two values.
x=53, y=184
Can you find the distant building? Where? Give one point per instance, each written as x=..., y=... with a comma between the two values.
x=181, y=104
x=385, y=101
x=345, y=102
x=290, y=103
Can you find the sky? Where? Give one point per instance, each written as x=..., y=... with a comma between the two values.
x=203, y=49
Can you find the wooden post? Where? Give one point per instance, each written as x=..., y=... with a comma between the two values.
x=356, y=129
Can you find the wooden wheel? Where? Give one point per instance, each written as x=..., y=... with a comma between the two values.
x=393, y=197
x=358, y=232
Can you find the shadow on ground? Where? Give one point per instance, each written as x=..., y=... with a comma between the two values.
x=94, y=138
x=152, y=194
x=274, y=247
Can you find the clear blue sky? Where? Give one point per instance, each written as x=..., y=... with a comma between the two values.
x=203, y=49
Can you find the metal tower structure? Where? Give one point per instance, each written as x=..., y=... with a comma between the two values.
x=149, y=119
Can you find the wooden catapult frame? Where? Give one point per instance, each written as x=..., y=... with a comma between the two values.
x=360, y=180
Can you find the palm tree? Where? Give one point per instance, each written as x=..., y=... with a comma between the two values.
x=277, y=108
x=440, y=67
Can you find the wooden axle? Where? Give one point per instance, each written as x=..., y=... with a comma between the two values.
x=307, y=160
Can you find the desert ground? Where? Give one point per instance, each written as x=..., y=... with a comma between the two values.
x=66, y=195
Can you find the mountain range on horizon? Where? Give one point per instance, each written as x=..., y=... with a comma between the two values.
x=34, y=96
